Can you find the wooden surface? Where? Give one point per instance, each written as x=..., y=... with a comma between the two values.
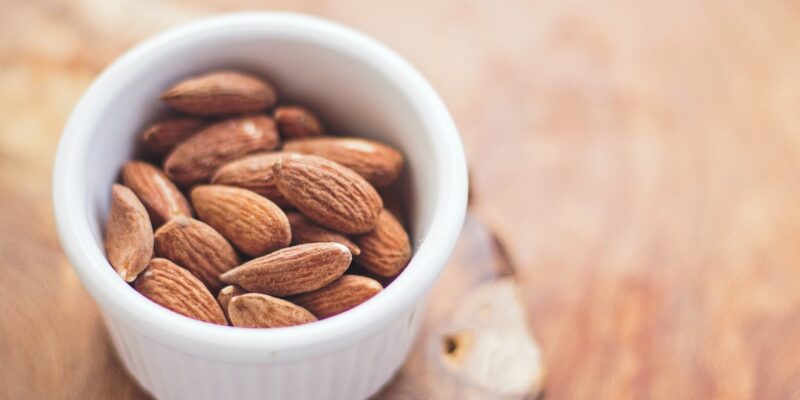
x=638, y=159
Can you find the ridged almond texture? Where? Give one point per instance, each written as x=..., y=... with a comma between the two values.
x=339, y=296
x=297, y=122
x=160, y=196
x=162, y=136
x=328, y=193
x=197, y=247
x=221, y=92
x=196, y=159
x=293, y=270
x=225, y=295
x=255, y=310
x=252, y=223
x=306, y=231
x=129, y=235
x=253, y=172
x=386, y=250
x=174, y=288
x=376, y=162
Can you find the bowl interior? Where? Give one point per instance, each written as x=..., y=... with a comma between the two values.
x=351, y=96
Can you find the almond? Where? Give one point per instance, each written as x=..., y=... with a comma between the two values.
x=255, y=310
x=305, y=231
x=292, y=270
x=225, y=295
x=129, y=235
x=159, y=195
x=196, y=159
x=339, y=296
x=175, y=288
x=328, y=193
x=253, y=224
x=376, y=162
x=197, y=247
x=356, y=269
x=297, y=122
x=162, y=136
x=254, y=173
x=221, y=92
x=386, y=250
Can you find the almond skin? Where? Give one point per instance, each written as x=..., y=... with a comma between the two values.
x=376, y=162
x=293, y=270
x=196, y=159
x=252, y=223
x=356, y=269
x=339, y=296
x=160, y=196
x=221, y=92
x=129, y=234
x=225, y=295
x=297, y=122
x=253, y=172
x=198, y=248
x=162, y=136
x=328, y=193
x=386, y=250
x=255, y=310
x=173, y=287
x=306, y=231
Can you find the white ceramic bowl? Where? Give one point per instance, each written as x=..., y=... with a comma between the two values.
x=360, y=87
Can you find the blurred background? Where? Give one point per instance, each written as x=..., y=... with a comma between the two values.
x=639, y=160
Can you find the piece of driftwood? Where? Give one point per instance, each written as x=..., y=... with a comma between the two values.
x=475, y=341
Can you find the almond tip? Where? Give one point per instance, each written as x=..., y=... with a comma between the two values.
x=227, y=277
x=127, y=277
x=341, y=247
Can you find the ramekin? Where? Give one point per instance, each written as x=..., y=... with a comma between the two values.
x=361, y=88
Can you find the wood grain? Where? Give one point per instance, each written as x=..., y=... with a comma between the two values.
x=475, y=342
x=640, y=160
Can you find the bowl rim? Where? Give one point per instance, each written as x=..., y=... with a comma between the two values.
x=124, y=305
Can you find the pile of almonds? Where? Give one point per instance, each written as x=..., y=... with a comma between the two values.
x=277, y=210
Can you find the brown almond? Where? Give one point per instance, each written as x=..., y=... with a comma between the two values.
x=293, y=270
x=253, y=172
x=306, y=231
x=254, y=310
x=173, y=287
x=339, y=296
x=328, y=193
x=197, y=247
x=356, y=269
x=252, y=223
x=376, y=162
x=386, y=250
x=225, y=295
x=297, y=122
x=162, y=136
x=221, y=92
x=160, y=196
x=129, y=234
x=196, y=159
